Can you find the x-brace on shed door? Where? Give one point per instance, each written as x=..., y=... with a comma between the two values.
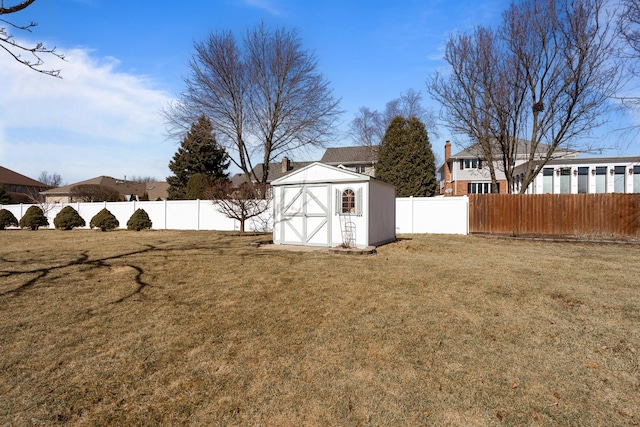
x=305, y=215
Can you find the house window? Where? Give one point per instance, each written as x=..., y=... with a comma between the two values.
x=619, y=181
x=565, y=180
x=547, y=180
x=481, y=187
x=583, y=180
x=470, y=164
x=636, y=179
x=348, y=201
x=360, y=169
x=601, y=179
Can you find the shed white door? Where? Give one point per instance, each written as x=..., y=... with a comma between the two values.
x=305, y=215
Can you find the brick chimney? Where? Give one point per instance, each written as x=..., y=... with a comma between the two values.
x=286, y=165
x=447, y=170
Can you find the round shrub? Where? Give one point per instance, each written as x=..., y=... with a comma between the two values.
x=104, y=220
x=33, y=218
x=7, y=219
x=68, y=218
x=139, y=220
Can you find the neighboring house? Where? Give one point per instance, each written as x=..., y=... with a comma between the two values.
x=21, y=189
x=467, y=172
x=276, y=170
x=128, y=190
x=584, y=175
x=357, y=159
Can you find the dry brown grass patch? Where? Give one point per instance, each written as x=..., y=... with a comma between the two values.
x=168, y=327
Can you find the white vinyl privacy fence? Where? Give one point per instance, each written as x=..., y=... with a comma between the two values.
x=414, y=215
x=435, y=215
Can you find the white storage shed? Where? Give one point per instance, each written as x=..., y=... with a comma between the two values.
x=322, y=205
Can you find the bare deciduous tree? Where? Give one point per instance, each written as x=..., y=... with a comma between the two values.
x=469, y=91
x=629, y=28
x=94, y=193
x=51, y=179
x=241, y=203
x=368, y=126
x=143, y=179
x=15, y=49
x=565, y=51
x=483, y=98
x=548, y=80
x=629, y=24
x=264, y=98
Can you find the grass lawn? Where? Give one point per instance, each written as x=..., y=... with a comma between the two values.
x=200, y=328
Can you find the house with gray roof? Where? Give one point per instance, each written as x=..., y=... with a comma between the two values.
x=467, y=171
x=356, y=159
x=276, y=170
x=359, y=159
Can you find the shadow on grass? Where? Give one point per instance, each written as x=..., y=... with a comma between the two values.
x=36, y=276
x=83, y=259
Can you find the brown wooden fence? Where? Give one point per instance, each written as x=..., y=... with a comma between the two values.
x=597, y=215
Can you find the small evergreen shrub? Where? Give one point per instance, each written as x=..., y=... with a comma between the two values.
x=33, y=218
x=139, y=220
x=68, y=218
x=4, y=195
x=7, y=219
x=104, y=220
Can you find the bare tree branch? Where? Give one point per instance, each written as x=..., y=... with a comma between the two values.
x=369, y=126
x=241, y=203
x=34, y=59
x=538, y=90
x=264, y=98
x=51, y=179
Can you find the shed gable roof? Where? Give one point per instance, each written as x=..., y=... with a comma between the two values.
x=321, y=173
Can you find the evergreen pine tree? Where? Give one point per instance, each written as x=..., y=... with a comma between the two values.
x=200, y=153
x=197, y=186
x=406, y=160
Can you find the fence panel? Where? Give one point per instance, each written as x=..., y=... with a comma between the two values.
x=174, y=214
x=598, y=215
x=440, y=215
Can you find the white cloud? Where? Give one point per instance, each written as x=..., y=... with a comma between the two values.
x=266, y=5
x=94, y=121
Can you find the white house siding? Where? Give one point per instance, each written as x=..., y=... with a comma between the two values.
x=481, y=175
x=569, y=178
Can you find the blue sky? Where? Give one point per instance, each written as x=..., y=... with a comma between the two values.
x=126, y=61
